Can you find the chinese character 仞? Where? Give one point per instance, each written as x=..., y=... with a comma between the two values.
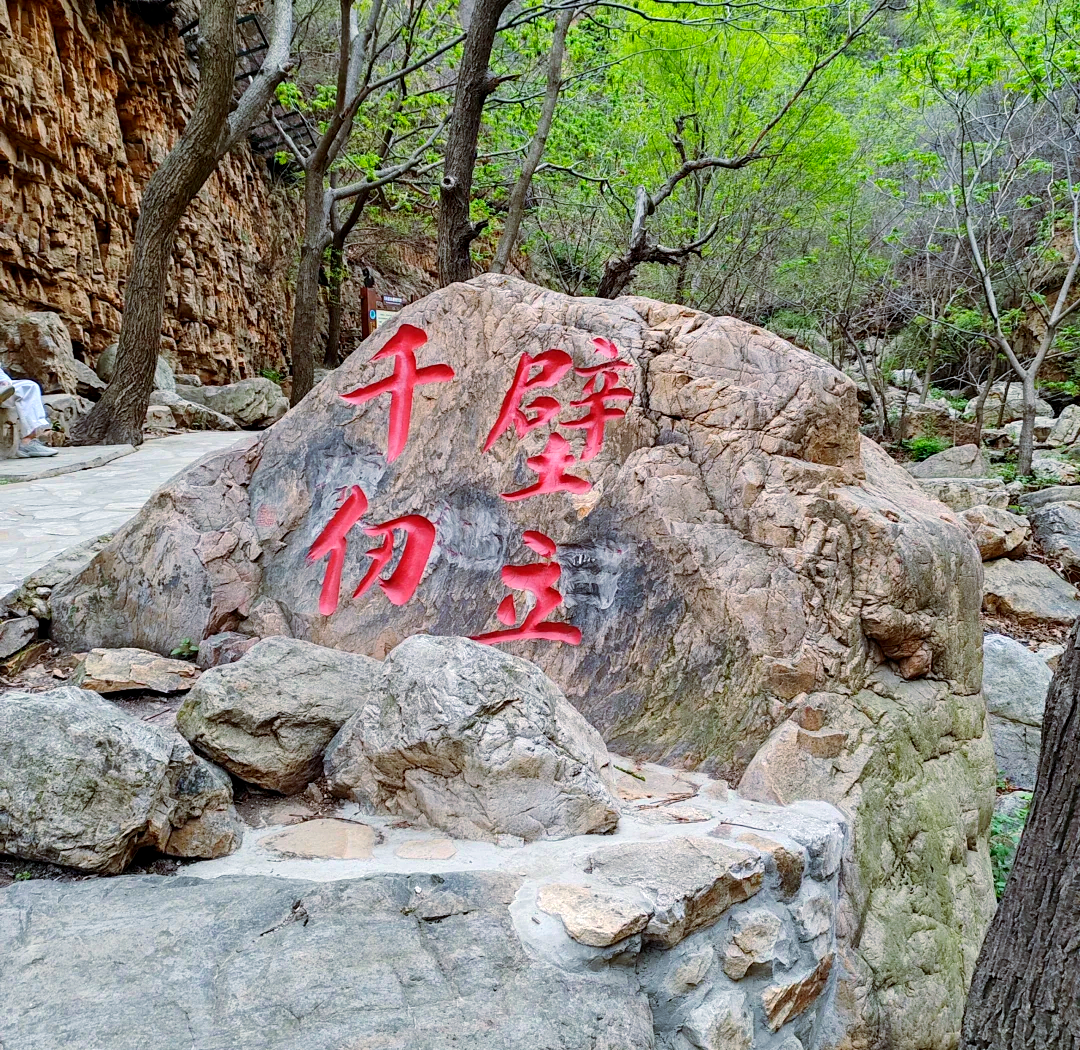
x=551, y=466
x=401, y=584
x=553, y=364
x=401, y=383
x=539, y=580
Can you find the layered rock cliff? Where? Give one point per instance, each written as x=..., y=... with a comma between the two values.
x=92, y=97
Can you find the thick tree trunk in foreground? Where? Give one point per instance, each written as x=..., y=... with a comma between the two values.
x=118, y=417
x=1026, y=991
x=456, y=231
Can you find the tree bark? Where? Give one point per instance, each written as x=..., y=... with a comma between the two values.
x=306, y=305
x=520, y=193
x=117, y=418
x=1025, y=994
x=1026, y=445
x=474, y=84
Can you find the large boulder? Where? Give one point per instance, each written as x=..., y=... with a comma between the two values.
x=476, y=742
x=1057, y=531
x=256, y=402
x=1066, y=429
x=163, y=373
x=84, y=784
x=1014, y=405
x=997, y=533
x=964, y=493
x=191, y=415
x=268, y=717
x=960, y=461
x=1029, y=593
x=1015, y=682
x=733, y=543
x=37, y=346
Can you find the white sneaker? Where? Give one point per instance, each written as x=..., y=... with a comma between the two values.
x=34, y=450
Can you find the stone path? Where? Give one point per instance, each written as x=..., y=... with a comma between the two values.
x=66, y=461
x=39, y=519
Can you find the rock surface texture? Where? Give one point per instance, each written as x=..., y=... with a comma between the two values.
x=1057, y=529
x=961, y=461
x=1028, y=592
x=476, y=742
x=731, y=545
x=37, y=346
x=91, y=100
x=85, y=785
x=268, y=717
x=559, y=945
x=997, y=533
x=1015, y=682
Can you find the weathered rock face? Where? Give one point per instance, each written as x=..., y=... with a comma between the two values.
x=1028, y=592
x=997, y=533
x=733, y=544
x=119, y=670
x=478, y=743
x=163, y=373
x=37, y=346
x=191, y=414
x=90, y=103
x=1015, y=682
x=557, y=945
x=965, y=493
x=84, y=784
x=1057, y=530
x=268, y=717
x=252, y=402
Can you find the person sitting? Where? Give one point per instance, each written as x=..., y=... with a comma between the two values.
x=32, y=417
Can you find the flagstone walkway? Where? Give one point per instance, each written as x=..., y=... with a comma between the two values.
x=39, y=519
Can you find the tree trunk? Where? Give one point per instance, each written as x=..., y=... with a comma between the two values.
x=118, y=417
x=306, y=304
x=1027, y=427
x=1025, y=994
x=456, y=231
x=332, y=354
x=520, y=194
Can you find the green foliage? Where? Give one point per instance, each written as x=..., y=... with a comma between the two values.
x=1005, y=832
x=920, y=448
x=23, y=876
x=186, y=650
x=272, y=374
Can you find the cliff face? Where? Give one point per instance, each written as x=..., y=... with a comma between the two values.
x=91, y=99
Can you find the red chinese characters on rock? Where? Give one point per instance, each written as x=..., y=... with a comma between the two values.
x=400, y=384
x=601, y=388
x=401, y=584
x=539, y=580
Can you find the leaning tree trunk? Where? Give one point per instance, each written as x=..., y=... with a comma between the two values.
x=1026, y=446
x=1025, y=994
x=118, y=417
x=456, y=231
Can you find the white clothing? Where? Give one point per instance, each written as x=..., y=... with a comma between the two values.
x=28, y=403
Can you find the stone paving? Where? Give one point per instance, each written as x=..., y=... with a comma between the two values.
x=39, y=519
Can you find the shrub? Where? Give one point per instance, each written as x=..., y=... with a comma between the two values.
x=1005, y=832
x=924, y=447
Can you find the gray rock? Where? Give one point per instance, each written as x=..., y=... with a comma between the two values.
x=1044, y=426
x=997, y=533
x=224, y=648
x=63, y=567
x=276, y=964
x=256, y=402
x=14, y=634
x=1051, y=494
x=1066, y=430
x=1015, y=682
x=1014, y=407
x=268, y=717
x=961, y=494
x=122, y=670
x=722, y=1022
x=1011, y=803
x=191, y=415
x=159, y=417
x=961, y=461
x=1057, y=531
x=1048, y=467
x=87, y=382
x=84, y=784
x=163, y=373
x=1028, y=592
x=477, y=742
